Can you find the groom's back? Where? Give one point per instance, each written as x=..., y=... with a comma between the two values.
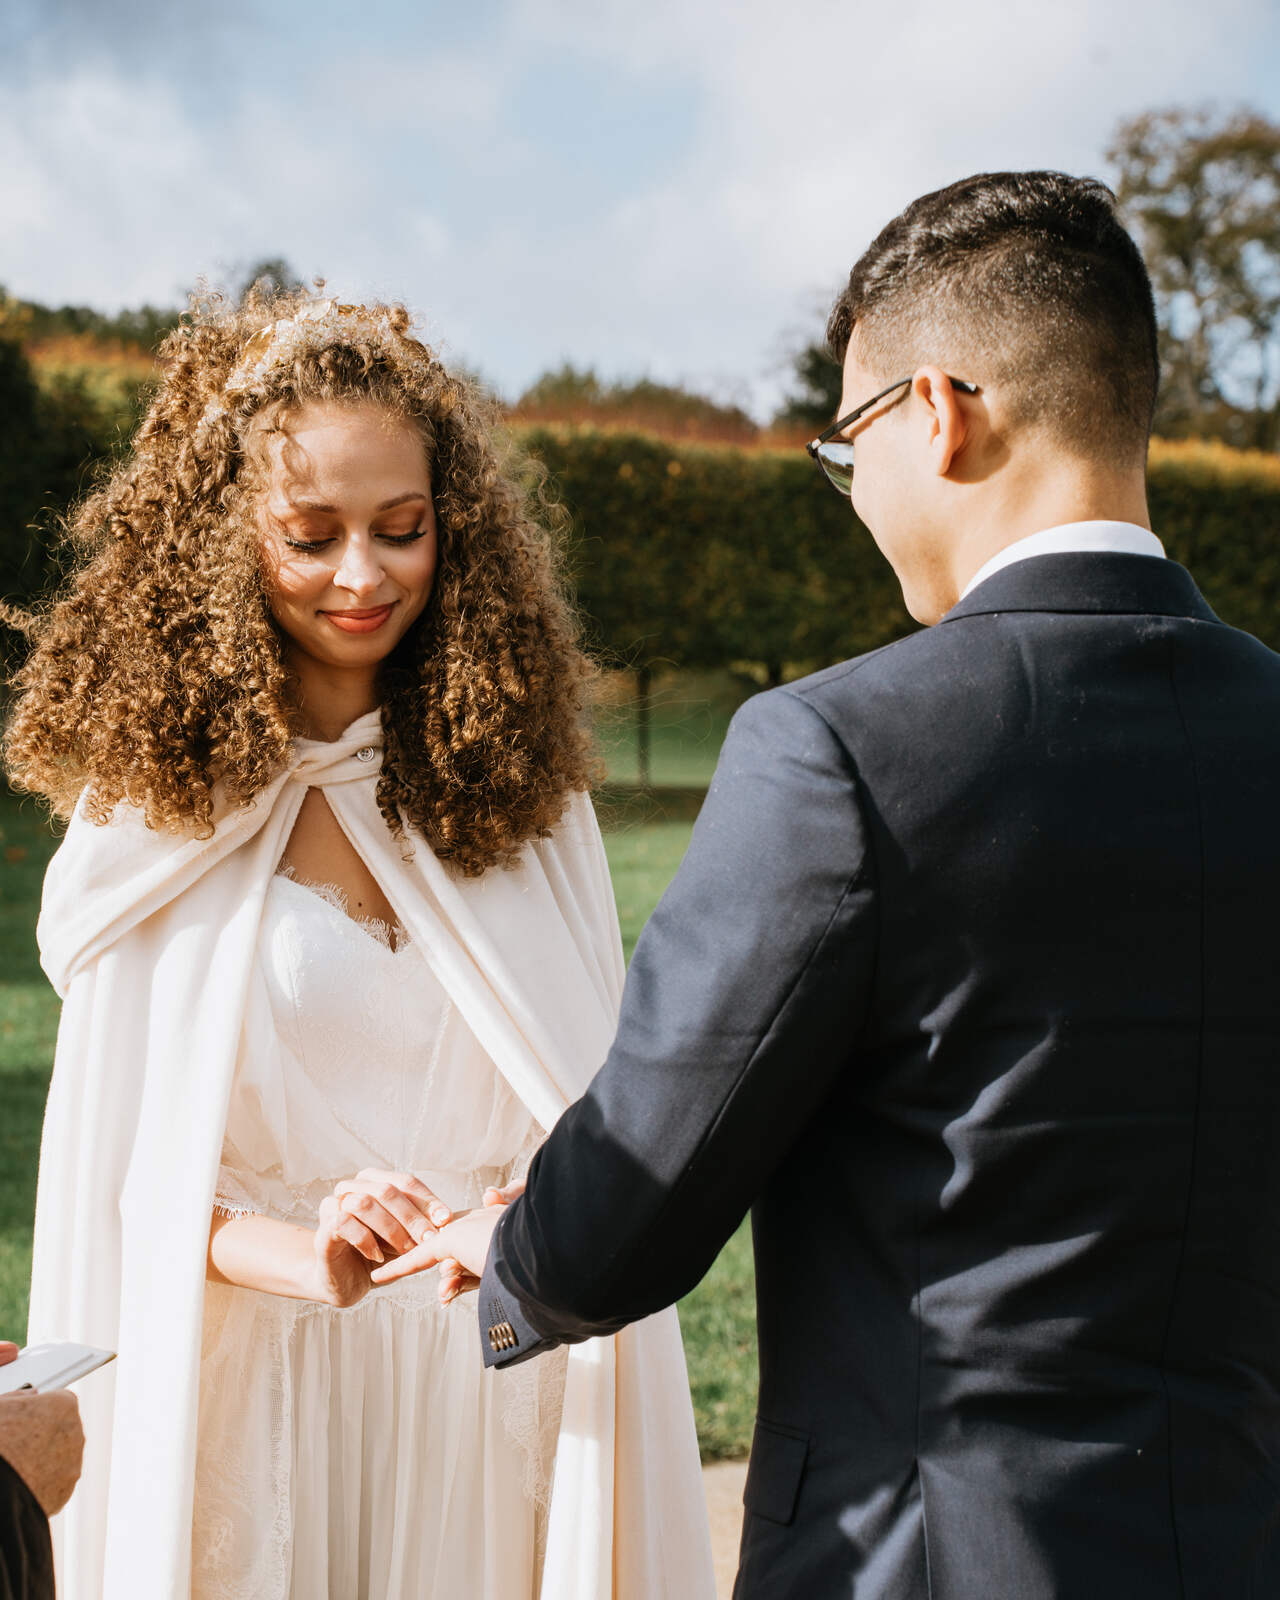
x=1043, y=1349
x=967, y=984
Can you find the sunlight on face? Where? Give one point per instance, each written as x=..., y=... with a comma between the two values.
x=347, y=532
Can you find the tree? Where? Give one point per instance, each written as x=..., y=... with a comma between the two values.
x=143, y=326
x=566, y=390
x=1202, y=194
x=272, y=273
x=815, y=396
x=573, y=395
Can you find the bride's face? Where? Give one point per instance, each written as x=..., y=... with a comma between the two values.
x=347, y=532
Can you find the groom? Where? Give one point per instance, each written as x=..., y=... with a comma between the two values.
x=969, y=988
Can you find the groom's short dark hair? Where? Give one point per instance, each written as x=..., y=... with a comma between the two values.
x=1029, y=278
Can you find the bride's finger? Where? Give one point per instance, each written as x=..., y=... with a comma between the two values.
x=408, y=1210
x=422, y=1256
x=337, y=1224
x=401, y=1232
x=428, y=1203
x=504, y=1197
x=355, y=1233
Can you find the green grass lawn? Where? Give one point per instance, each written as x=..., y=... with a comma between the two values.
x=28, y=1024
x=642, y=861
x=685, y=738
x=718, y=1317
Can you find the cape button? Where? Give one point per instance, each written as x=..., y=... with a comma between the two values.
x=366, y=753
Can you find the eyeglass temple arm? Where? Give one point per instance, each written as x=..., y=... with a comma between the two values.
x=963, y=384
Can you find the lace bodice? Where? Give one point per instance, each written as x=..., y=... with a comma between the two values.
x=354, y=1057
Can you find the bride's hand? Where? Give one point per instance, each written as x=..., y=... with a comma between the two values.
x=396, y=1208
x=345, y=1253
x=365, y=1219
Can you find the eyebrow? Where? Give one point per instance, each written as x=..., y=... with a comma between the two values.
x=395, y=500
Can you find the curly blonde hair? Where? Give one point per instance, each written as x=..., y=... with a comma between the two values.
x=160, y=672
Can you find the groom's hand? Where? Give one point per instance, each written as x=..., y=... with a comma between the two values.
x=454, y=1277
x=461, y=1246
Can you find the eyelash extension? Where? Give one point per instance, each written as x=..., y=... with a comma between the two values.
x=319, y=544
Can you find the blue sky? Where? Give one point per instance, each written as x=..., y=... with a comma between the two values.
x=673, y=190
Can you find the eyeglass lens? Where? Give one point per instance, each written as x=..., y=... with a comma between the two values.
x=835, y=457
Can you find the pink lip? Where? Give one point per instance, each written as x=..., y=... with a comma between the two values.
x=359, y=621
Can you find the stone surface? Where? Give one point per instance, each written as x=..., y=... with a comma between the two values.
x=723, y=1481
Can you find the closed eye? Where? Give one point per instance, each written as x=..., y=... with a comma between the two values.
x=387, y=538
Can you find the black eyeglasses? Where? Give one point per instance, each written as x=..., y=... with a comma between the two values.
x=835, y=456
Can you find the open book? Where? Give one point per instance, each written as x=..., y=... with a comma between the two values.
x=51, y=1366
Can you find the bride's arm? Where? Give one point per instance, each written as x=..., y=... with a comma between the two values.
x=331, y=1264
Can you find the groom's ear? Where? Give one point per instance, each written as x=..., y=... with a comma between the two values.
x=947, y=426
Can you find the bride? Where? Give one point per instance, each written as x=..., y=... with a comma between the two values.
x=333, y=930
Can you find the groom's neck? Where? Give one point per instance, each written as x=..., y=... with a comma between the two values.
x=1027, y=497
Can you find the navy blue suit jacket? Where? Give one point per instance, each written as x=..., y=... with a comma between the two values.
x=969, y=988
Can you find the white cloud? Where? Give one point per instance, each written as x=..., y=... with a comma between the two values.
x=817, y=126
x=402, y=170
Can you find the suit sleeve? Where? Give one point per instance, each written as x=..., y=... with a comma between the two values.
x=742, y=1006
x=26, y=1549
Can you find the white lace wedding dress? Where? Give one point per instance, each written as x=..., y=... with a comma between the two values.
x=363, y=1454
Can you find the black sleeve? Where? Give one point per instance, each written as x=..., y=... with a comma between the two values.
x=743, y=1001
x=26, y=1550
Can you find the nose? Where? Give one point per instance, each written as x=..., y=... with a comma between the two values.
x=360, y=569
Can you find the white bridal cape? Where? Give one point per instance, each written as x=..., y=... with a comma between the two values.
x=149, y=938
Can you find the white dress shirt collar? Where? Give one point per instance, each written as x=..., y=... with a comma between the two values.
x=1071, y=538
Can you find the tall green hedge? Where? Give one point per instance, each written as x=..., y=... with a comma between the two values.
x=699, y=555
x=694, y=555
x=1218, y=512
x=53, y=435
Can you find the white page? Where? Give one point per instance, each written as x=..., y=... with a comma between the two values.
x=51, y=1366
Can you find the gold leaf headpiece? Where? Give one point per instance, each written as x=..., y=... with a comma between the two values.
x=313, y=326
